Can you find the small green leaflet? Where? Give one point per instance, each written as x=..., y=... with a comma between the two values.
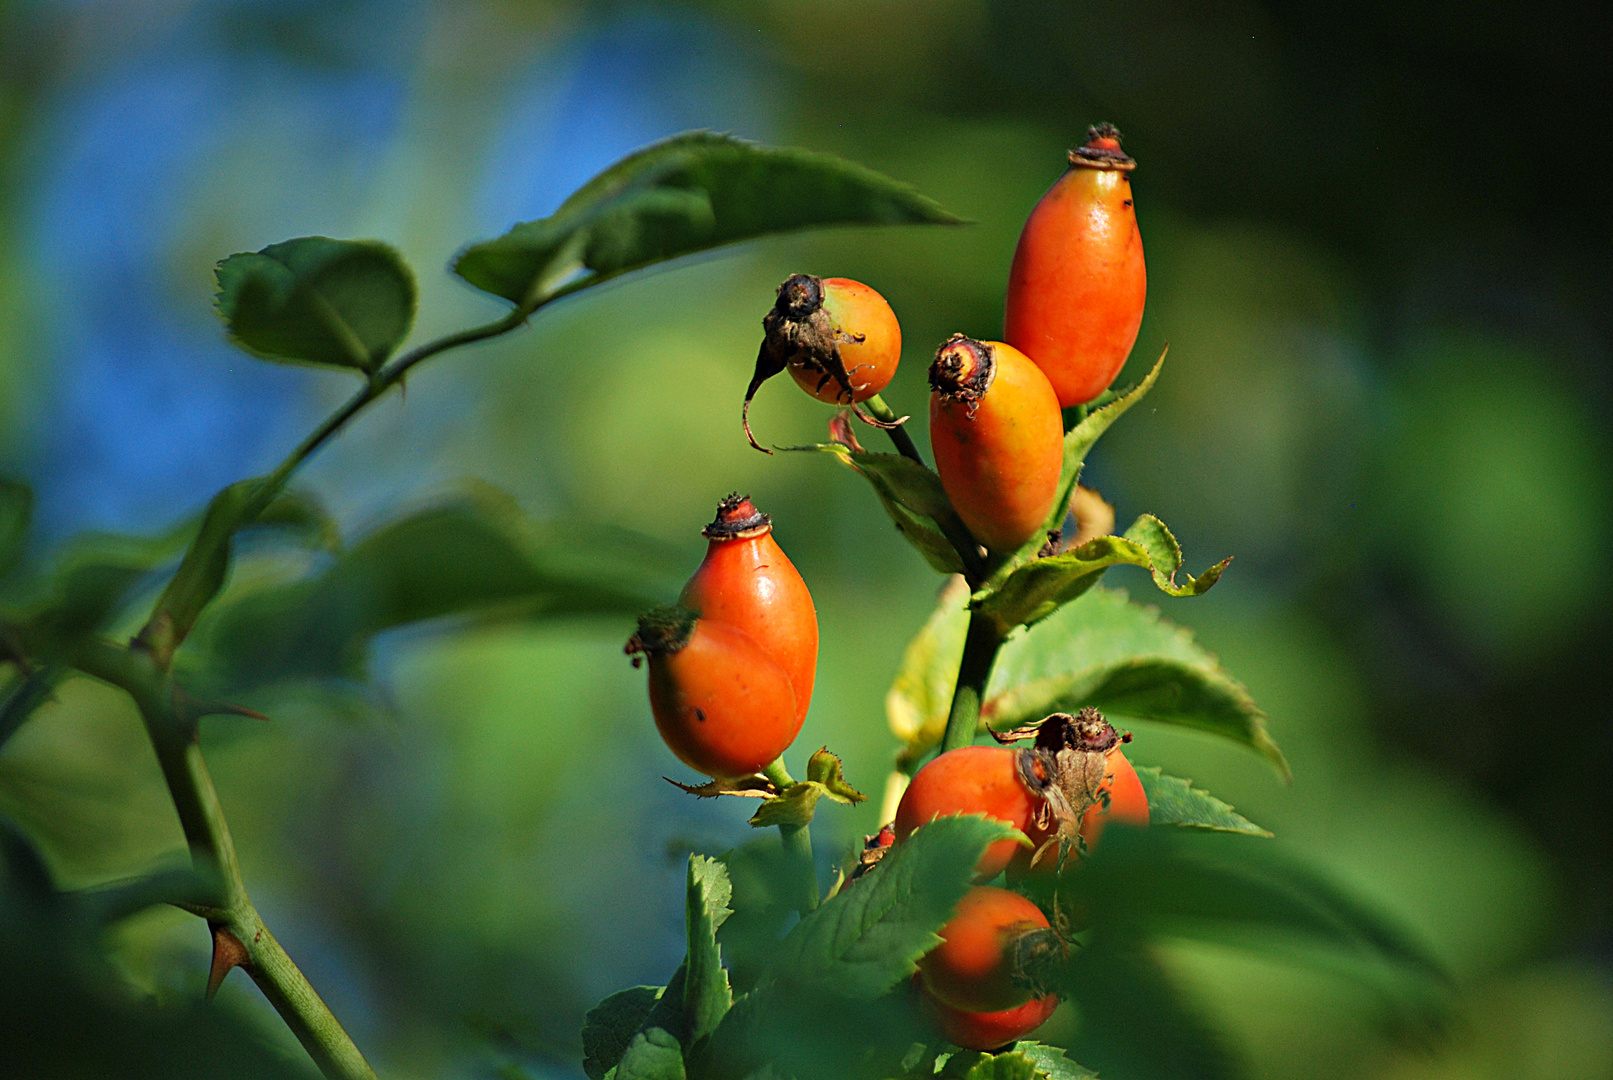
x=1052, y=1063
x=1174, y=801
x=314, y=300
x=870, y=936
x=652, y=1055
x=706, y=995
x=1037, y=589
x=799, y=801
x=685, y=194
x=1102, y=650
x=1010, y=1065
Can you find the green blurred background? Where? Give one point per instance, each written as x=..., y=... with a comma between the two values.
x=1378, y=243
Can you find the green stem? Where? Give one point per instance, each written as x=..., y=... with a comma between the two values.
x=948, y=521
x=797, y=840
x=980, y=646
x=201, y=817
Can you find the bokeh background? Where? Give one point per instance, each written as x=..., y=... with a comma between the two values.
x=1378, y=242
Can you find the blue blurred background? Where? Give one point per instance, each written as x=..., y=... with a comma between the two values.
x=1378, y=243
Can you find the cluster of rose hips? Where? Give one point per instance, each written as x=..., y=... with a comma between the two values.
x=731, y=668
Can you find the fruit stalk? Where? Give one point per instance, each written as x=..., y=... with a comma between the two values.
x=980, y=647
x=797, y=842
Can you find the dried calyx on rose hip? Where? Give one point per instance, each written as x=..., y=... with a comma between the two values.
x=838, y=338
x=1090, y=781
x=748, y=582
x=720, y=702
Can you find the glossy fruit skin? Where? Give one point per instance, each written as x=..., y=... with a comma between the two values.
x=869, y=339
x=747, y=582
x=973, y=780
x=989, y=1030
x=1128, y=803
x=1077, y=285
x=999, y=457
x=973, y=967
x=721, y=704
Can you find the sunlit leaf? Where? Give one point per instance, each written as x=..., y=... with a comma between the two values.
x=918, y=701
x=1174, y=801
x=1040, y=587
x=685, y=194
x=314, y=300
x=1122, y=658
x=652, y=1055
x=1052, y=1062
x=706, y=994
x=24, y=694
x=1010, y=1065
x=869, y=937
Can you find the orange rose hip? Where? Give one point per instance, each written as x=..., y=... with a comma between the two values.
x=1077, y=284
x=747, y=581
x=720, y=703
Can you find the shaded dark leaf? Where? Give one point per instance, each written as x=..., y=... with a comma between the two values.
x=610, y=1026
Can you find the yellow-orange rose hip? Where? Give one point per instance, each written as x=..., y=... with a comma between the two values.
x=998, y=439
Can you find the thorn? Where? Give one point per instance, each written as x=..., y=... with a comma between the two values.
x=190, y=709
x=228, y=952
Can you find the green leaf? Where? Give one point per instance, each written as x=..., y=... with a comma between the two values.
x=706, y=994
x=1222, y=888
x=1011, y=1065
x=652, y=1055
x=1037, y=589
x=1165, y=558
x=610, y=1026
x=474, y=557
x=27, y=693
x=918, y=701
x=205, y=567
x=795, y=806
x=689, y=193
x=798, y=802
x=1174, y=801
x=1051, y=1062
x=1078, y=442
x=870, y=937
x=16, y=512
x=314, y=300
x=1134, y=1021
x=1101, y=650
x=910, y=493
x=1121, y=657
